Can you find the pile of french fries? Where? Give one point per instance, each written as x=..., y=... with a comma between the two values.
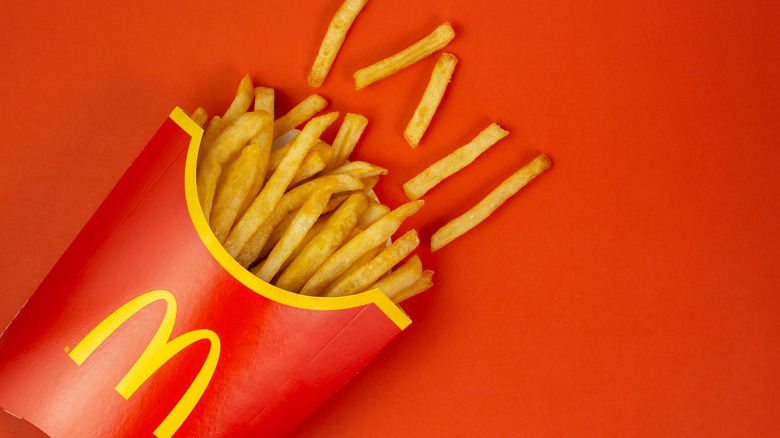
x=300, y=215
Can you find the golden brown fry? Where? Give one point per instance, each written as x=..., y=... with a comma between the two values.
x=264, y=99
x=242, y=101
x=349, y=133
x=359, y=169
x=372, y=214
x=299, y=114
x=368, y=184
x=374, y=235
x=324, y=150
x=359, y=263
x=289, y=202
x=490, y=203
x=423, y=283
x=259, y=177
x=313, y=232
x=440, y=78
x=265, y=202
x=227, y=143
x=213, y=129
x=314, y=254
x=296, y=231
x=311, y=165
x=337, y=31
x=399, y=279
x=364, y=276
x=234, y=188
x=458, y=159
x=200, y=116
x=418, y=51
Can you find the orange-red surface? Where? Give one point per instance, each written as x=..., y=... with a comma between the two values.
x=632, y=290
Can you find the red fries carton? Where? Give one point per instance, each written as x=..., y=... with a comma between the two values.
x=147, y=327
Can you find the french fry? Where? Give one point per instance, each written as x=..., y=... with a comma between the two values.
x=227, y=143
x=265, y=202
x=455, y=161
x=359, y=169
x=359, y=263
x=313, y=232
x=337, y=31
x=365, y=275
x=299, y=114
x=200, y=116
x=241, y=103
x=314, y=254
x=296, y=231
x=425, y=282
x=490, y=203
x=349, y=133
x=378, y=232
x=264, y=99
x=312, y=164
x=213, y=129
x=259, y=175
x=323, y=149
x=235, y=187
x=435, y=41
x=289, y=202
x=368, y=183
x=440, y=78
x=276, y=233
x=401, y=278
x=373, y=212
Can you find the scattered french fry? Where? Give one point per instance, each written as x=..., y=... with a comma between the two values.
x=455, y=161
x=334, y=38
x=435, y=41
x=440, y=78
x=299, y=114
x=490, y=203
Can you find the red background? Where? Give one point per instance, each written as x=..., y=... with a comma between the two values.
x=631, y=290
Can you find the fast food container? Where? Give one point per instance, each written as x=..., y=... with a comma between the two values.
x=147, y=327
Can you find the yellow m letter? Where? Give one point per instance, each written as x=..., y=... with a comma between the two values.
x=159, y=351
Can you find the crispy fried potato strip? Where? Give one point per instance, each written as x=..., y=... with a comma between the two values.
x=321, y=246
x=334, y=38
x=241, y=103
x=349, y=134
x=235, y=187
x=435, y=41
x=200, y=116
x=365, y=275
x=455, y=161
x=374, y=235
x=440, y=78
x=401, y=278
x=265, y=202
x=424, y=283
x=299, y=114
x=490, y=203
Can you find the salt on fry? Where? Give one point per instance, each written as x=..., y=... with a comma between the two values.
x=299, y=114
x=434, y=92
x=424, y=283
x=337, y=31
x=296, y=231
x=227, y=143
x=400, y=278
x=349, y=133
x=365, y=275
x=374, y=235
x=490, y=203
x=231, y=193
x=265, y=202
x=241, y=102
x=435, y=41
x=455, y=161
x=321, y=246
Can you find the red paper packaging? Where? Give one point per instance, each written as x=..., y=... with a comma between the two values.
x=147, y=327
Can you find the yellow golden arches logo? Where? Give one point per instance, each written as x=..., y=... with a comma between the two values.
x=159, y=351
